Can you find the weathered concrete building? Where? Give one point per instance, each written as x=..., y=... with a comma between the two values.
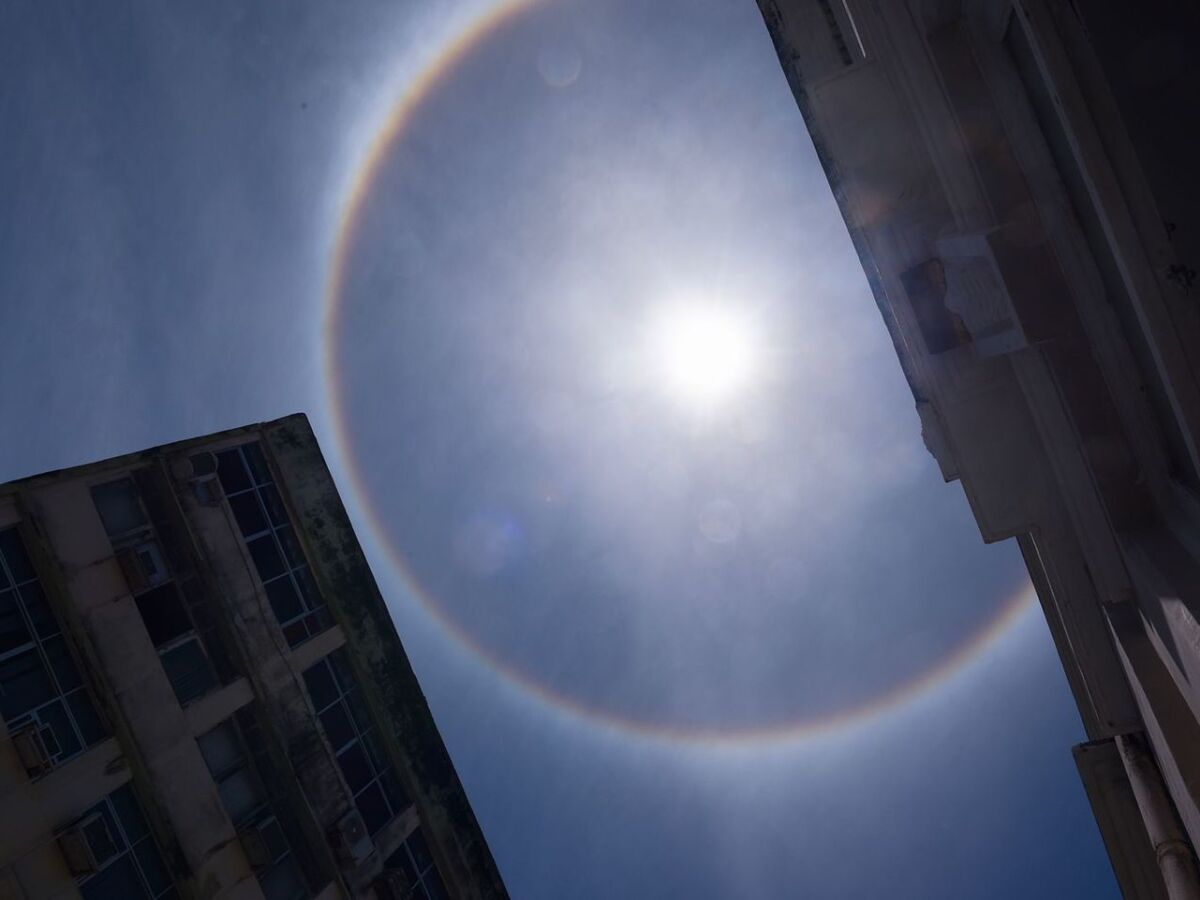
x=203, y=694
x=1019, y=179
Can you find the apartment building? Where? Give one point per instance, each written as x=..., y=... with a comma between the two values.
x=1019, y=180
x=203, y=694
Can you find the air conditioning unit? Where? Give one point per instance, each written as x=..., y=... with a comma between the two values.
x=393, y=884
x=208, y=490
x=204, y=464
x=350, y=840
x=142, y=565
x=87, y=845
x=32, y=749
x=199, y=472
x=254, y=845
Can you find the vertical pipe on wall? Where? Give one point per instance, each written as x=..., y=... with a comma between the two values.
x=1171, y=847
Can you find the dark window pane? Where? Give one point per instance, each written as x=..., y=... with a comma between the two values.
x=291, y=547
x=103, y=835
x=356, y=768
x=38, y=610
x=272, y=835
x=266, y=557
x=189, y=671
x=342, y=670
x=152, y=866
x=400, y=860
x=117, y=503
x=375, y=751
x=58, y=735
x=150, y=561
x=248, y=513
x=337, y=725
x=195, y=598
x=163, y=614
x=13, y=550
x=13, y=632
x=252, y=737
x=49, y=740
x=24, y=684
x=397, y=797
x=241, y=795
x=231, y=472
x=358, y=710
x=150, y=489
x=221, y=749
x=296, y=633
x=258, y=465
x=91, y=729
x=434, y=888
x=373, y=808
x=203, y=463
x=129, y=813
x=274, y=504
x=283, y=882
x=422, y=858
x=61, y=664
x=119, y=881
x=321, y=687
x=319, y=620
x=55, y=717
x=308, y=588
x=284, y=600
x=178, y=558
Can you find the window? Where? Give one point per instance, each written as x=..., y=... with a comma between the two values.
x=416, y=862
x=42, y=698
x=249, y=808
x=263, y=521
x=128, y=865
x=139, y=550
x=348, y=728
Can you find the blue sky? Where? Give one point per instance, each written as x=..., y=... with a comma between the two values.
x=580, y=564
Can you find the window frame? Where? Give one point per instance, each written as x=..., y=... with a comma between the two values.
x=118, y=830
x=413, y=872
x=37, y=645
x=312, y=619
x=368, y=739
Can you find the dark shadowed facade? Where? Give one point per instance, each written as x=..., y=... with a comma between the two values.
x=1019, y=179
x=203, y=694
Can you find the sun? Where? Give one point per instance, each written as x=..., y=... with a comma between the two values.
x=703, y=355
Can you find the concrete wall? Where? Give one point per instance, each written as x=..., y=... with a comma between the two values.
x=134, y=690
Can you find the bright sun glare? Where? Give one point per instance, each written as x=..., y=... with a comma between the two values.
x=704, y=355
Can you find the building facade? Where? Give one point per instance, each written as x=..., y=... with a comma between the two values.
x=203, y=694
x=1018, y=178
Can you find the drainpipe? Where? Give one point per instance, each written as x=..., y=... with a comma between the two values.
x=1171, y=847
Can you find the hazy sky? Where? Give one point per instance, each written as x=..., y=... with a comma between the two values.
x=738, y=651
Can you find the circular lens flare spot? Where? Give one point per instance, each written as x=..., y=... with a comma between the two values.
x=703, y=355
